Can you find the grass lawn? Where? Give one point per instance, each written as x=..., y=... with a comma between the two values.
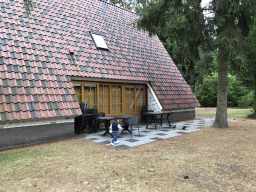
x=210, y=159
x=233, y=113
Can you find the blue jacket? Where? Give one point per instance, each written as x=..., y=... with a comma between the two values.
x=115, y=126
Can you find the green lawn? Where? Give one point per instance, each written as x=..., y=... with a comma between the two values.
x=232, y=112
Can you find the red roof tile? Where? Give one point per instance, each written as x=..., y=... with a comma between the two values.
x=3, y=106
x=7, y=91
x=129, y=55
x=40, y=114
x=16, y=99
x=13, y=116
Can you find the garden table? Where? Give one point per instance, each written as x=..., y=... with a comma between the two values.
x=106, y=121
x=156, y=115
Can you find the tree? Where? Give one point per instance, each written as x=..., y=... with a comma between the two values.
x=180, y=49
x=252, y=59
x=231, y=18
x=183, y=25
x=207, y=91
x=180, y=25
x=206, y=65
x=133, y=5
x=29, y=7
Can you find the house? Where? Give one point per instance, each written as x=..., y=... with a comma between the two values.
x=73, y=51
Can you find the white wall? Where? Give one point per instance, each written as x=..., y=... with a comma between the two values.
x=153, y=102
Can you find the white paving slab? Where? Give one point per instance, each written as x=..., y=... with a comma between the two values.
x=149, y=135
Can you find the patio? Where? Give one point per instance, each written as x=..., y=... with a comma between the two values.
x=125, y=141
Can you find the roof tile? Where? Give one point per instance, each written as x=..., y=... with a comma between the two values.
x=128, y=58
x=10, y=107
x=40, y=114
x=13, y=116
x=3, y=107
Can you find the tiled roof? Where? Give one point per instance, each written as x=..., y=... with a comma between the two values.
x=36, y=68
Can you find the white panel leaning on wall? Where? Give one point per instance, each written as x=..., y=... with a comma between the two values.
x=153, y=102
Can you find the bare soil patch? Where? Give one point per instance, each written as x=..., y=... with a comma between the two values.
x=211, y=159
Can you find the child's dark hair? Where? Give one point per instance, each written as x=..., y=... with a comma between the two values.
x=116, y=118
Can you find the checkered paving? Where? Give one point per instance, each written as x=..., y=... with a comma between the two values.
x=148, y=135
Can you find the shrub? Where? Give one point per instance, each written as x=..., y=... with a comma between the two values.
x=252, y=114
x=207, y=91
x=236, y=91
x=246, y=100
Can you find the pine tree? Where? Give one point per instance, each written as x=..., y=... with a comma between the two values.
x=181, y=24
x=231, y=19
x=29, y=7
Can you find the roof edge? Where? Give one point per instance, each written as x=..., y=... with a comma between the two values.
x=75, y=78
x=118, y=6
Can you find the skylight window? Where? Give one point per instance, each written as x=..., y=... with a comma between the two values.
x=99, y=41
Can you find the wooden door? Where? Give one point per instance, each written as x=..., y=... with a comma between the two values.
x=130, y=99
x=116, y=94
x=104, y=99
x=78, y=91
x=90, y=95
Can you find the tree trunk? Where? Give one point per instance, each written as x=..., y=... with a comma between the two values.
x=195, y=88
x=254, y=99
x=221, y=112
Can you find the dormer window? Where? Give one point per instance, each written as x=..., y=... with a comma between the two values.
x=99, y=41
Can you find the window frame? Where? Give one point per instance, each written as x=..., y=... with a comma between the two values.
x=123, y=99
x=97, y=42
